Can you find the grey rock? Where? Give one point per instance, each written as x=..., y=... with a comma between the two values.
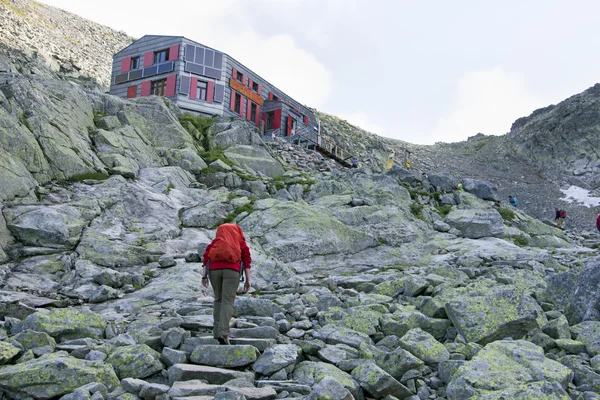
x=424, y=346
x=166, y=261
x=482, y=189
x=7, y=352
x=475, y=224
x=379, y=383
x=276, y=358
x=31, y=340
x=311, y=373
x=251, y=306
x=173, y=337
x=102, y=294
x=150, y=391
x=65, y=324
x=215, y=376
x=171, y=357
x=232, y=356
x=138, y=361
x=517, y=367
x=260, y=332
x=220, y=166
x=194, y=388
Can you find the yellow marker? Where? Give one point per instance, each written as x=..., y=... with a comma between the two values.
x=407, y=164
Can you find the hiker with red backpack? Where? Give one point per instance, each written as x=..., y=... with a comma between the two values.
x=222, y=265
x=560, y=218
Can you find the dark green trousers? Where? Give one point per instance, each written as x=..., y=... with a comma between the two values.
x=224, y=283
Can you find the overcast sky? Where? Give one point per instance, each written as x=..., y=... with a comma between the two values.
x=419, y=71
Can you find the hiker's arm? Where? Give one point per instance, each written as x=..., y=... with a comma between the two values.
x=247, y=273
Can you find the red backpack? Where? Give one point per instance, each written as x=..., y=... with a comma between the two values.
x=227, y=244
x=563, y=214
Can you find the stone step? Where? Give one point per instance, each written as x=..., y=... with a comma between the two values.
x=260, y=332
x=252, y=393
x=290, y=386
x=213, y=375
x=260, y=344
x=232, y=356
x=198, y=322
x=194, y=388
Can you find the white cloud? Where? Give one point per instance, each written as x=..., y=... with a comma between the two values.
x=486, y=101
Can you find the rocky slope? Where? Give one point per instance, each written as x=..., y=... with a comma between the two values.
x=65, y=41
x=366, y=284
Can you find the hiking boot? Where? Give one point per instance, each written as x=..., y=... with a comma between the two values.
x=223, y=341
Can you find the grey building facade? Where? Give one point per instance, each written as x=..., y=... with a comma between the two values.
x=205, y=81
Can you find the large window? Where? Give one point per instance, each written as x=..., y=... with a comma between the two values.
x=255, y=86
x=161, y=56
x=270, y=120
x=201, y=90
x=239, y=76
x=135, y=63
x=253, y=112
x=157, y=88
x=238, y=103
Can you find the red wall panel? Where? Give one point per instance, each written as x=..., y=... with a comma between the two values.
x=193, y=87
x=260, y=89
x=270, y=95
x=277, y=121
x=232, y=100
x=148, y=58
x=306, y=120
x=125, y=64
x=248, y=109
x=210, y=91
x=131, y=91
x=234, y=73
x=174, y=52
x=145, y=89
x=250, y=82
x=170, y=87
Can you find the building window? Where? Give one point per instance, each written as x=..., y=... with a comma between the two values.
x=161, y=56
x=275, y=98
x=238, y=103
x=239, y=76
x=255, y=86
x=270, y=120
x=135, y=63
x=253, y=112
x=201, y=90
x=157, y=88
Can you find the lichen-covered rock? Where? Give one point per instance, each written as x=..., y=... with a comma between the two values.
x=31, y=340
x=67, y=323
x=54, y=375
x=332, y=334
x=7, y=352
x=424, y=346
x=513, y=369
x=558, y=328
x=214, y=376
x=251, y=306
x=406, y=319
x=494, y=315
x=232, y=356
x=379, y=383
x=475, y=224
x=363, y=319
x=310, y=373
x=138, y=361
x=303, y=231
x=395, y=362
x=589, y=335
x=329, y=389
x=276, y=358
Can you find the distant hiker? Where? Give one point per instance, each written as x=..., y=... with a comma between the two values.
x=354, y=162
x=598, y=223
x=560, y=216
x=222, y=263
x=460, y=187
x=513, y=201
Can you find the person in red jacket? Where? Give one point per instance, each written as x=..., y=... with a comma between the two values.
x=598, y=222
x=222, y=264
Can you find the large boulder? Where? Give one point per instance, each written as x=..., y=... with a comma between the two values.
x=255, y=158
x=495, y=314
x=311, y=373
x=482, y=189
x=293, y=231
x=67, y=323
x=424, y=346
x=54, y=375
x=137, y=361
x=475, y=224
x=329, y=389
x=276, y=358
x=7, y=352
x=442, y=182
x=510, y=369
x=379, y=383
x=47, y=226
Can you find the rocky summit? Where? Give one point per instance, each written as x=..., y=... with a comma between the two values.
x=367, y=283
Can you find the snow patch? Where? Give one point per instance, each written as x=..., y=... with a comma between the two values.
x=575, y=194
